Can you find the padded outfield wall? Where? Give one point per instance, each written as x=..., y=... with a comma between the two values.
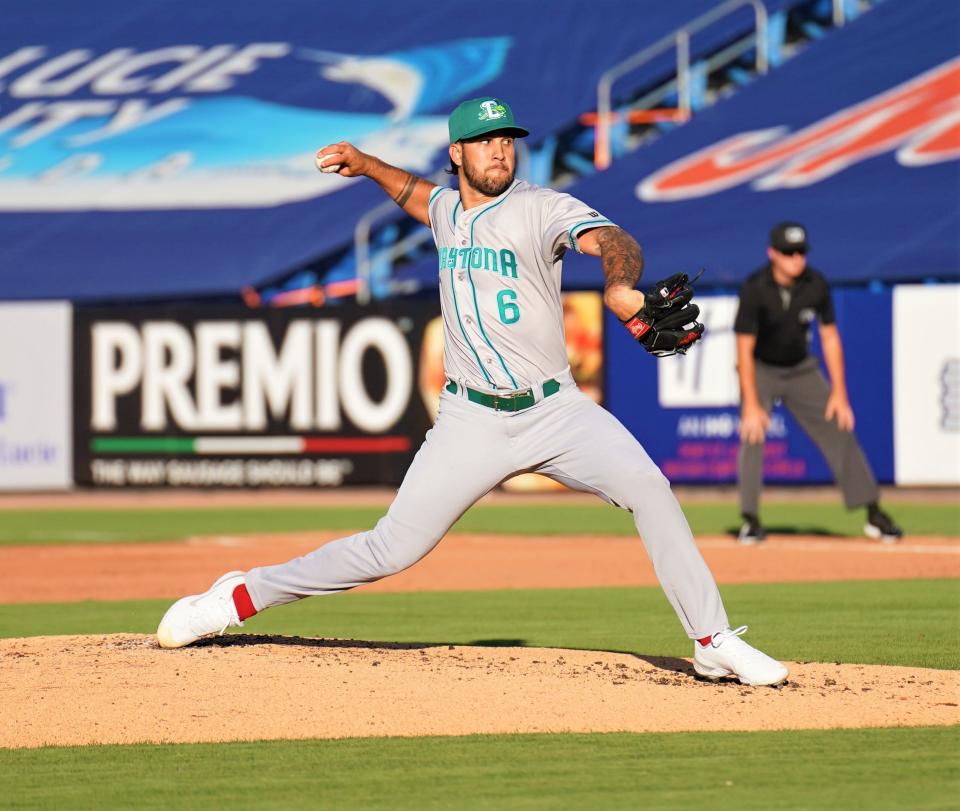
x=904, y=388
x=233, y=397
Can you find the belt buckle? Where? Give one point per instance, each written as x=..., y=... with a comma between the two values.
x=511, y=398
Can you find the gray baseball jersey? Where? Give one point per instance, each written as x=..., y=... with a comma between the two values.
x=500, y=269
x=499, y=272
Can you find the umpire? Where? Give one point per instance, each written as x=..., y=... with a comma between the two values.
x=778, y=304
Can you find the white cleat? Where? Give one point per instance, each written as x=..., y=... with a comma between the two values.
x=201, y=615
x=728, y=656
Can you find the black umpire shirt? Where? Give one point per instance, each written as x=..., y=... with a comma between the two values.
x=780, y=317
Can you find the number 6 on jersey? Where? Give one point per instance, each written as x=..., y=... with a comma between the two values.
x=509, y=311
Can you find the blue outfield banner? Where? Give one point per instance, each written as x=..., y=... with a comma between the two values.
x=165, y=148
x=857, y=137
x=685, y=410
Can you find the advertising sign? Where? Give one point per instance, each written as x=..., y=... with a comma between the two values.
x=172, y=146
x=232, y=397
x=878, y=111
x=685, y=410
x=926, y=368
x=703, y=391
x=35, y=400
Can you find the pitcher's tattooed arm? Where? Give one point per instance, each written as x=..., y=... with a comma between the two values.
x=406, y=191
x=621, y=258
x=622, y=262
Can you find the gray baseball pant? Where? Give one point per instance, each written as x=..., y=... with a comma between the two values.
x=468, y=452
x=804, y=391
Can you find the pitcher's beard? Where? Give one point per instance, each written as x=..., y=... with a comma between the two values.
x=485, y=185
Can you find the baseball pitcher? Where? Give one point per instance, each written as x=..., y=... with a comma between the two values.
x=509, y=403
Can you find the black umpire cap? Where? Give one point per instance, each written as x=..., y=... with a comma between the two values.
x=789, y=237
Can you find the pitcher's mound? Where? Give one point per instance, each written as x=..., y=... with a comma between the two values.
x=122, y=688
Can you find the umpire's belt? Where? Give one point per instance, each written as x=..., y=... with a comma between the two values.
x=514, y=401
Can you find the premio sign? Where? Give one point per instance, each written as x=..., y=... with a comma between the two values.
x=239, y=398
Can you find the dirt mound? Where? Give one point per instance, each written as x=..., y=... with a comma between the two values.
x=122, y=688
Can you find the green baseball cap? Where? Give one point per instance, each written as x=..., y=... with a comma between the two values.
x=480, y=116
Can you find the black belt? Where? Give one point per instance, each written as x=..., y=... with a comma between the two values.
x=515, y=401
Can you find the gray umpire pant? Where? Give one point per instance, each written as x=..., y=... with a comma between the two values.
x=804, y=391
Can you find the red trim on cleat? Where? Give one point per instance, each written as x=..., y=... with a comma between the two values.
x=243, y=603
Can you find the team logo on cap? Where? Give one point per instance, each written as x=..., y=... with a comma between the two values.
x=794, y=234
x=491, y=110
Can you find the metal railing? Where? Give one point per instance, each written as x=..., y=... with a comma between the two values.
x=679, y=42
x=361, y=245
x=839, y=12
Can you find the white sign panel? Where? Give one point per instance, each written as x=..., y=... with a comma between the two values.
x=707, y=377
x=35, y=396
x=926, y=384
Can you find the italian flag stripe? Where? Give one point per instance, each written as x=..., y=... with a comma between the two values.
x=214, y=445
x=373, y=444
x=135, y=444
x=249, y=446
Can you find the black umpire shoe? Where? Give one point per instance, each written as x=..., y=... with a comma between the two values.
x=880, y=526
x=751, y=532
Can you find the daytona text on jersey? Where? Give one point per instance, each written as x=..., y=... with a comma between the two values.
x=500, y=267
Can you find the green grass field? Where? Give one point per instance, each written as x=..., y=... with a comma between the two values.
x=120, y=525
x=844, y=769
x=906, y=622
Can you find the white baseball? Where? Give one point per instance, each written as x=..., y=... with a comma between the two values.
x=319, y=161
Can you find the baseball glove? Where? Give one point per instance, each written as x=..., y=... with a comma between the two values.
x=667, y=324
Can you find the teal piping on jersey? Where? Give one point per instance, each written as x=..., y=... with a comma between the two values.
x=434, y=194
x=456, y=309
x=455, y=209
x=592, y=223
x=453, y=291
x=476, y=306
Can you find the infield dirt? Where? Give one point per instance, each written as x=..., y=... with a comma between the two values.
x=72, y=690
